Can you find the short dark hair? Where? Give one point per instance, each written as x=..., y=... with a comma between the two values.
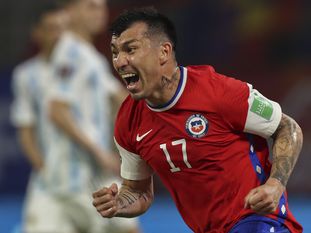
x=65, y=3
x=156, y=22
x=41, y=9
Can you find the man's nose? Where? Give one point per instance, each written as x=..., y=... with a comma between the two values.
x=121, y=60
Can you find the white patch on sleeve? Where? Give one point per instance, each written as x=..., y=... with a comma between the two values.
x=132, y=166
x=263, y=115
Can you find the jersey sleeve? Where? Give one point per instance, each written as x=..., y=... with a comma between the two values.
x=65, y=67
x=245, y=109
x=231, y=97
x=263, y=115
x=64, y=89
x=22, y=111
x=132, y=166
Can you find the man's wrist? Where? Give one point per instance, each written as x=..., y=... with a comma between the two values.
x=276, y=181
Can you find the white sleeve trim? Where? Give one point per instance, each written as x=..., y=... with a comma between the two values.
x=132, y=166
x=263, y=116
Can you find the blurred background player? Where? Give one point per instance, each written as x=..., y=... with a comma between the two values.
x=80, y=107
x=31, y=83
x=62, y=111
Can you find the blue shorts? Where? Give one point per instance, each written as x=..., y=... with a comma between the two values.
x=258, y=224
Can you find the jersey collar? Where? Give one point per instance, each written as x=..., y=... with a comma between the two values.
x=177, y=95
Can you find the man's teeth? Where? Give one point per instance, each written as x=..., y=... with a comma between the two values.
x=128, y=75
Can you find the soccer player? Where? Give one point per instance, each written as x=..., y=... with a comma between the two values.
x=204, y=134
x=80, y=108
x=62, y=111
x=31, y=87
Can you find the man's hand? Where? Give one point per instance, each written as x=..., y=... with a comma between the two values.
x=105, y=201
x=132, y=199
x=265, y=198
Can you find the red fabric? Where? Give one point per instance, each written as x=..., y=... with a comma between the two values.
x=209, y=195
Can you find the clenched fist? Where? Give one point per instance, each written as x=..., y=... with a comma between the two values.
x=265, y=198
x=105, y=201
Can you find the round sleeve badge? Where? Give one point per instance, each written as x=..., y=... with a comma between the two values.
x=197, y=125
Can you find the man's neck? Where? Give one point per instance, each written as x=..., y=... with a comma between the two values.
x=82, y=35
x=46, y=53
x=168, y=87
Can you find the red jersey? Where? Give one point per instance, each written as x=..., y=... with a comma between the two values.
x=203, y=145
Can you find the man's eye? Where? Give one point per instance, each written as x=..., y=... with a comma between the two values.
x=131, y=50
x=114, y=54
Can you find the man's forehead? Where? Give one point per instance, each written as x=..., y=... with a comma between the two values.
x=135, y=32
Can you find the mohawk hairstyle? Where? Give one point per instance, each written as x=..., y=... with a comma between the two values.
x=157, y=23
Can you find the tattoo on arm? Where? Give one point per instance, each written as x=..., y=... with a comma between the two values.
x=134, y=201
x=127, y=198
x=286, y=148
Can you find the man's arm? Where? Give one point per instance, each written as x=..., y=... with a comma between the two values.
x=26, y=135
x=62, y=117
x=133, y=199
x=287, y=145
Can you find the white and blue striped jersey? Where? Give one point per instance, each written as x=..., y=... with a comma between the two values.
x=32, y=81
x=79, y=75
x=83, y=80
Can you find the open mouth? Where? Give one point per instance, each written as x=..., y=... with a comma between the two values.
x=130, y=79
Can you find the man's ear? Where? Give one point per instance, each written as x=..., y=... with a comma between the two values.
x=166, y=52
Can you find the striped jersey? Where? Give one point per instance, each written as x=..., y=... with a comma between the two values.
x=79, y=75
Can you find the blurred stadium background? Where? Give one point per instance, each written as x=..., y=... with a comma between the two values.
x=266, y=43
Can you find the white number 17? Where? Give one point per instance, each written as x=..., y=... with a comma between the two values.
x=184, y=154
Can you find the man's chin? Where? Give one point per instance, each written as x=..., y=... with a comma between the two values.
x=136, y=96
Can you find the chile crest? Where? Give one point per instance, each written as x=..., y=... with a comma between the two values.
x=197, y=125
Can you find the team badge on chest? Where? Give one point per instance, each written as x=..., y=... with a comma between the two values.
x=197, y=125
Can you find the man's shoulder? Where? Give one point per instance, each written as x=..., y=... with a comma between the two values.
x=213, y=84
x=28, y=64
x=67, y=49
x=204, y=76
x=201, y=73
x=202, y=69
x=207, y=73
x=73, y=51
x=68, y=39
x=26, y=67
x=128, y=120
x=68, y=58
x=129, y=111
